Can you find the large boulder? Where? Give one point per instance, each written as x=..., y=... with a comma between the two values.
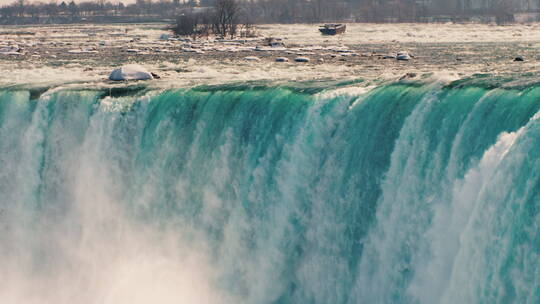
x=130, y=72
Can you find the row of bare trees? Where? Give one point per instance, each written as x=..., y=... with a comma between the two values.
x=225, y=18
x=256, y=11
x=40, y=12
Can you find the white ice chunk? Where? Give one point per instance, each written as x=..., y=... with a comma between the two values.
x=82, y=51
x=10, y=49
x=301, y=59
x=130, y=72
x=403, y=56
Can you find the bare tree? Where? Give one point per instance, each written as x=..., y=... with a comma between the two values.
x=20, y=7
x=503, y=11
x=226, y=18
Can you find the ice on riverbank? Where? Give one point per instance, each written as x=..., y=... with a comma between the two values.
x=130, y=72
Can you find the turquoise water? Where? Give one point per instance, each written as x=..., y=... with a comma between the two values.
x=406, y=193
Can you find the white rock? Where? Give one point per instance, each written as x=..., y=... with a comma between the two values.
x=130, y=72
x=252, y=58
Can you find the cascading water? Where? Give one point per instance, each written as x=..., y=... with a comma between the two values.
x=404, y=193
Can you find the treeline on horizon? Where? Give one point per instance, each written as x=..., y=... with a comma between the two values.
x=256, y=11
